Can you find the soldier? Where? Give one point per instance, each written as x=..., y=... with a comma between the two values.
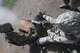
x=72, y=4
x=41, y=24
x=66, y=29
x=20, y=37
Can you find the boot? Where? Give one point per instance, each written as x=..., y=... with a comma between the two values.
x=64, y=6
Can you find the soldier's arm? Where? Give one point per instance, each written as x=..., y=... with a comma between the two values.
x=49, y=19
x=33, y=21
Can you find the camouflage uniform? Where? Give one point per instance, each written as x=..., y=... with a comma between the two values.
x=72, y=3
x=19, y=37
x=67, y=28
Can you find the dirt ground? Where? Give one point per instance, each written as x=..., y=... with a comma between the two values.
x=28, y=9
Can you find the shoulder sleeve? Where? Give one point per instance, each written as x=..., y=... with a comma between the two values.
x=49, y=19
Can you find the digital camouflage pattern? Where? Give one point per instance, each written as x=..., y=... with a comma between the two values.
x=69, y=23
